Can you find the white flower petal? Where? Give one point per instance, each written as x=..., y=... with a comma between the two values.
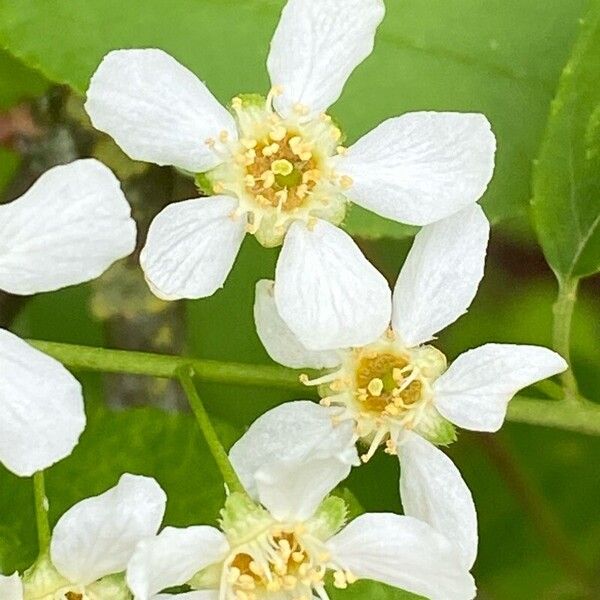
x=421, y=167
x=98, y=535
x=317, y=45
x=433, y=490
x=172, y=558
x=405, y=553
x=41, y=408
x=69, y=227
x=156, y=110
x=327, y=292
x=277, y=338
x=474, y=392
x=440, y=276
x=191, y=247
x=11, y=587
x=293, y=456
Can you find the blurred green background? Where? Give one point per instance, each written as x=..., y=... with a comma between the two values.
x=537, y=490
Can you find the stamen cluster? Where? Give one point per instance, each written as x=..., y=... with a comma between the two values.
x=278, y=169
x=278, y=561
x=385, y=389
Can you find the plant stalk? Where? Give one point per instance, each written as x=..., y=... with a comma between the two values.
x=230, y=477
x=561, y=334
x=582, y=416
x=41, y=512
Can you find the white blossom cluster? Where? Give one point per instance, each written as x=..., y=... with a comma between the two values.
x=274, y=166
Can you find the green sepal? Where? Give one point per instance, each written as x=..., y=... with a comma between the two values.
x=252, y=100
x=439, y=432
x=204, y=184
x=330, y=517
x=242, y=519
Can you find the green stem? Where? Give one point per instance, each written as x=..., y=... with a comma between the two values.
x=583, y=418
x=185, y=376
x=561, y=335
x=103, y=360
x=41, y=512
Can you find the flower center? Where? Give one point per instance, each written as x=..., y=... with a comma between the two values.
x=386, y=383
x=281, y=173
x=278, y=168
x=386, y=389
x=278, y=561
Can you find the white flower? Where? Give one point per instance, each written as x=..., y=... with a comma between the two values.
x=284, y=550
x=69, y=227
x=91, y=542
x=275, y=167
x=397, y=390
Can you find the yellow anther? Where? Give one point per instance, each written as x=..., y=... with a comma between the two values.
x=301, y=109
x=312, y=175
x=336, y=134
x=276, y=90
x=350, y=577
x=218, y=187
x=248, y=143
x=341, y=150
x=268, y=179
x=346, y=182
x=298, y=557
x=278, y=133
x=270, y=150
x=301, y=191
x=236, y=103
x=282, y=167
x=397, y=375
x=375, y=387
x=339, y=580
x=250, y=181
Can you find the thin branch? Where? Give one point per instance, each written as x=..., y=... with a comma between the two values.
x=561, y=337
x=230, y=477
x=582, y=417
x=41, y=512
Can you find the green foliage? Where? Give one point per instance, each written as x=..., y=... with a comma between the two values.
x=566, y=183
x=17, y=82
x=502, y=60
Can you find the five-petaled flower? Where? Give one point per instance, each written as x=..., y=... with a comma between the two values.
x=283, y=548
x=276, y=167
x=71, y=225
x=91, y=545
x=399, y=392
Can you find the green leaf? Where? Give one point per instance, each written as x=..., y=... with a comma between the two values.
x=502, y=59
x=18, y=82
x=566, y=184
